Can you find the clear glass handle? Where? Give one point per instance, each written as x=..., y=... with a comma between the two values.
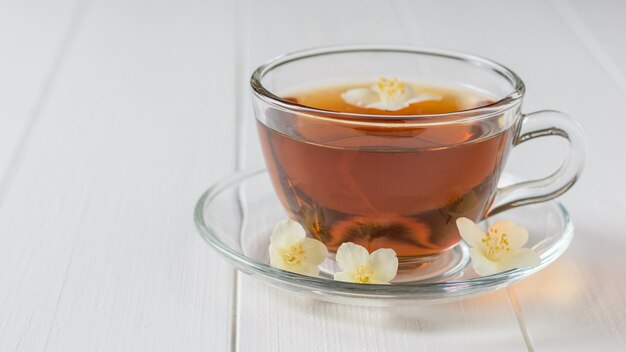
x=541, y=124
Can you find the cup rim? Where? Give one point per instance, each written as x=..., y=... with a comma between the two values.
x=463, y=116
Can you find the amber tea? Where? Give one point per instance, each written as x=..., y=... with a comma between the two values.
x=383, y=183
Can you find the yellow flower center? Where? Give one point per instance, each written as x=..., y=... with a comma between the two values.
x=294, y=255
x=363, y=274
x=390, y=89
x=497, y=244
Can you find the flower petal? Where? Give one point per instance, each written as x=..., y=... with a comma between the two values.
x=388, y=105
x=482, y=265
x=471, y=233
x=515, y=234
x=315, y=252
x=408, y=92
x=359, y=96
x=422, y=97
x=350, y=256
x=287, y=233
x=304, y=269
x=520, y=258
x=276, y=259
x=384, y=263
x=344, y=276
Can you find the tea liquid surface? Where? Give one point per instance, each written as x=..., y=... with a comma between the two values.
x=396, y=186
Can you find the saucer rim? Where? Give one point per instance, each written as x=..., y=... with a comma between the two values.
x=409, y=290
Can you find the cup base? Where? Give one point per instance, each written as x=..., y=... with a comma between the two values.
x=443, y=265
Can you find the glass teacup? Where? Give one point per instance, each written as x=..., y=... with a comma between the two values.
x=398, y=180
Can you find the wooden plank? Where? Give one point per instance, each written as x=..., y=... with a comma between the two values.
x=272, y=320
x=584, y=300
x=97, y=245
x=33, y=37
x=576, y=304
x=599, y=27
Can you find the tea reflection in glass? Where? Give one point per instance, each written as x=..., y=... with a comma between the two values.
x=380, y=182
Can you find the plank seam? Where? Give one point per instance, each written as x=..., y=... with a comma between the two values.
x=240, y=22
x=31, y=121
x=240, y=86
x=237, y=277
x=517, y=310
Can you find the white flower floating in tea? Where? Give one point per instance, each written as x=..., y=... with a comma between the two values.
x=359, y=266
x=498, y=250
x=386, y=94
x=291, y=250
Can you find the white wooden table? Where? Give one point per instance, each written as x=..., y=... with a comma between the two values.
x=116, y=114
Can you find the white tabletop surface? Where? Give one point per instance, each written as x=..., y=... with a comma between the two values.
x=115, y=115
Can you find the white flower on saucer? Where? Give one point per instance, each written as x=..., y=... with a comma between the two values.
x=291, y=250
x=498, y=250
x=359, y=266
x=386, y=94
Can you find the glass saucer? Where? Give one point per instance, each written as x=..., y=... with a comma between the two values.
x=237, y=215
